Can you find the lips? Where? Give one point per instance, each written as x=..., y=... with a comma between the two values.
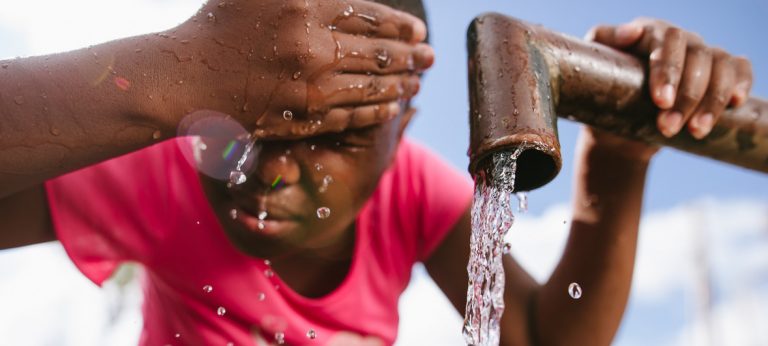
x=277, y=221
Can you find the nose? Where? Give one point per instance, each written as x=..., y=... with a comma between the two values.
x=275, y=165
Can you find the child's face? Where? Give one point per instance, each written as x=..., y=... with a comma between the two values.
x=322, y=183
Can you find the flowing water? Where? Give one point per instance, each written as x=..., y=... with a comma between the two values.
x=492, y=218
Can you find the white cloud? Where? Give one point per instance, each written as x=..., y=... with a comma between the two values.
x=47, y=26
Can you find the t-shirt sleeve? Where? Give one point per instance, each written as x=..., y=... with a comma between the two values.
x=110, y=212
x=439, y=196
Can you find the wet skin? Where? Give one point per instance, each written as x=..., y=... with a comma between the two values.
x=292, y=233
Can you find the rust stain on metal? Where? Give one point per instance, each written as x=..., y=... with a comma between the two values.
x=522, y=76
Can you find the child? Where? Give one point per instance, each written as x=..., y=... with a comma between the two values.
x=308, y=259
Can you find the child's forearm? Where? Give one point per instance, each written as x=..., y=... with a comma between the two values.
x=65, y=111
x=600, y=251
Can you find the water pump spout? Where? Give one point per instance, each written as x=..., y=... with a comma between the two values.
x=523, y=76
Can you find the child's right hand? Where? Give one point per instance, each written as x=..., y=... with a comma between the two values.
x=343, y=62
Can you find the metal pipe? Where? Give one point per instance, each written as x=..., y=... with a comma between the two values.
x=521, y=76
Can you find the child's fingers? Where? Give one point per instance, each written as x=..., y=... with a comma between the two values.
x=353, y=90
x=719, y=93
x=376, y=20
x=743, y=81
x=621, y=36
x=381, y=56
x=666, y=66
x=335, y=120
x=340, y=119
x=693, y=85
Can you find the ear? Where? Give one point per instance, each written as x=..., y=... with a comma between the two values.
x=405, y=120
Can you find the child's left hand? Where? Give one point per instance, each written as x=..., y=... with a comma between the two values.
x=691, y=82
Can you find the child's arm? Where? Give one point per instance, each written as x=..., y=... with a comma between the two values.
x=251, y=60
x=243, y=58
x=609, y=183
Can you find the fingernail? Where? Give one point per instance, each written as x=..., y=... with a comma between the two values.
x=670, y=123
x=665, y=97
x=626, y=32
x=702, y=125
x=426, y=56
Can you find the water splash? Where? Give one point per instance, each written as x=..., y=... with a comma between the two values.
x=323, y=212
x=221, y=311
x=237, y=176
x=280, y=338
x=311, y=334
x=574, y=290
x=207, y=288
x=522, y=198
x=492, y=218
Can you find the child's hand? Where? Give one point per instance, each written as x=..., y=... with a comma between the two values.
x=690, y=82
x=321, y=64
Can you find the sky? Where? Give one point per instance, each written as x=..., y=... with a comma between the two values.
x=688, y=198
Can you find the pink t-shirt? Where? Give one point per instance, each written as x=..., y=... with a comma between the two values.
x=149, y=207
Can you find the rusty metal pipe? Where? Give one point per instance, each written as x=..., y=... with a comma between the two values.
x=522, y=76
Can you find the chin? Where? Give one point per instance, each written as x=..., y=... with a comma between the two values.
x=261, y=245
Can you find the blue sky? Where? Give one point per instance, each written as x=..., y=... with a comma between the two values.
x=688, y=198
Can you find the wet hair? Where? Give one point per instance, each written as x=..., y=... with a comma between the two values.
x=414, y=7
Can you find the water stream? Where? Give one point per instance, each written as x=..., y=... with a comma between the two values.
x=492, y=218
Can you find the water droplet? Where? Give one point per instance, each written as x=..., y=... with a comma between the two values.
x=318, y=167
x=237, y=177
x=267, y=262
x=55, y=131
x=507, y=248
x=157, y=134
x=221, y=311
x=177, y=335
x=577, y=69
x=311, y=334
x=207, y=288
x=279, y=338
x=348, y=11
x=287, y=115
x=327, y=180
x=261, y=296
x=269, y=273
x=233, y=214
x=312, y=147
x=19, y=100
x=522, y=199
x=383, y=60
x=323, y=212
x=262, y=215
x=574, y=290
x=261, y=225
x=296, y=75
x=211, y=17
